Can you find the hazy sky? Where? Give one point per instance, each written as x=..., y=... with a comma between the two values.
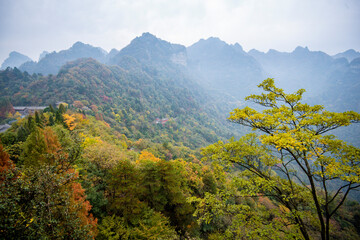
x=31, y=26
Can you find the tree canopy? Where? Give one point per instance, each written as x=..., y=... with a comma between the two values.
x=294, y=160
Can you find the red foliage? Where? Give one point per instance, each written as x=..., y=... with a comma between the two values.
x=99, y=117
x=106, y=98
x=86, y=218
x=94, y=108
x=51, y=140
x=78, y=104
x=5, y=164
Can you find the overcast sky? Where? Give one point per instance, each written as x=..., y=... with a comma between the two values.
x=31, y=26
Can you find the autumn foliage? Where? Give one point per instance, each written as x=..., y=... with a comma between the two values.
x=78, y=177
x=78, y=198
x=5, y=164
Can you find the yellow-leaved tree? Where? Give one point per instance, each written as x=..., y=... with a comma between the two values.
x=308, y=173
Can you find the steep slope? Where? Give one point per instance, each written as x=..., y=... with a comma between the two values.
x=15, y=59
x=224, y=67
x=158, y=58
x=168, y=62
x=52, y=62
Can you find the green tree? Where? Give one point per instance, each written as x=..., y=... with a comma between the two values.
x=165, y=189
x=41, y=147
x=295, y=162
x=44, y=204
x=152, y=225
x=51, y=109
x=51, y=120
x=38, y=120
x=124, y=190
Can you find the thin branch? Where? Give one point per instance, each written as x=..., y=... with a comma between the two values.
x=338, y=191
x=341, y=202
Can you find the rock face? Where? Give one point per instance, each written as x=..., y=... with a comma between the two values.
x=15, y=59
x=51, y=63
x=179, y=58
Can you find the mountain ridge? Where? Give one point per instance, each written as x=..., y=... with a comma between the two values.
x=52, y=62
x=150, y=50
x=350, y=55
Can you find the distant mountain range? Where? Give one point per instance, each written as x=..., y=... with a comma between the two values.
x=350, y=55
x=51, y=63
x=216, y=75
x=215, y=64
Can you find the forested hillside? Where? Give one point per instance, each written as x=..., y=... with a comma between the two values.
x=150, y=142
x=129, y=101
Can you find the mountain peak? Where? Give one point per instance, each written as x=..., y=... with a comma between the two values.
x=15, y=54
x=212, y=43
x=255, y=51
x=51, y=63
x=217, y=41
x=214, y=39
x=238, y=46
x=79, y=44
x=15, y=59
x=147, y=37
x=148, y=48
x=300, y=49
x=43, y=54
x=272, y=51
x=350, y=51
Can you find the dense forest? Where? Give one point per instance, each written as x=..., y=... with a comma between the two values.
x=143, y=143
